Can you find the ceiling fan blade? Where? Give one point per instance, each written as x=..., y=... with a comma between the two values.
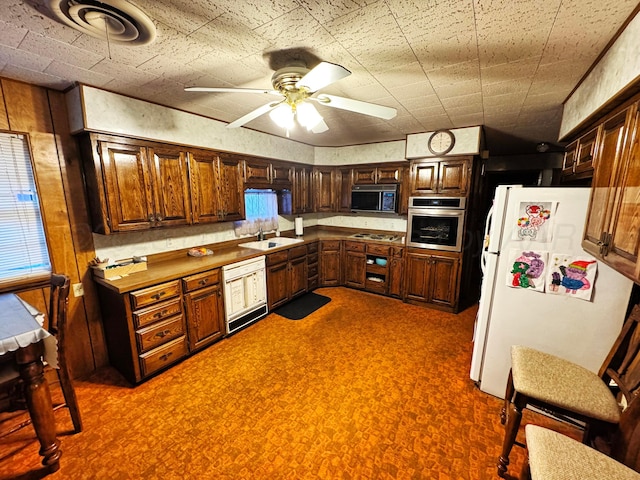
x=320, y=127
x=321, y=75
x=357, y=106
x=231, y=90
x=254, y=114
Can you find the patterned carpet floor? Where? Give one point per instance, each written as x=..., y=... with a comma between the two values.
x=366, y=387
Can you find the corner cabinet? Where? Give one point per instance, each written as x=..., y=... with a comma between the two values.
x=612, y=231
x=431, y=279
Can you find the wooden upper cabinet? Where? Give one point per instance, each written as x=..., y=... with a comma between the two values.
x=613, y=218
x=377, y=174
x=281, y=175
x=205, y=194
x=127, y=188
x=585, y=152
x=345, y=183
x=324, y=189
x=390, y=174
x=171, y=186
x=569, y=160
x=447, y=177
x=257, y=172
x=302, y=190
x=231, y=185
x=364, y=176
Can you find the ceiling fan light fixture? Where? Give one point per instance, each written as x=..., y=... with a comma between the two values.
x=283, y=116
x=308, y=116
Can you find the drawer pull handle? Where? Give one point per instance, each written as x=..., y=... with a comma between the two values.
x=161, y=314
x=163, y=333
x=158, y=295
x=166, y=356
x=204, y=281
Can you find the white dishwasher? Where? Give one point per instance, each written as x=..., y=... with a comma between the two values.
x=245, y=292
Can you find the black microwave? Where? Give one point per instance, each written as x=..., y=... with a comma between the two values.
x=374, y=198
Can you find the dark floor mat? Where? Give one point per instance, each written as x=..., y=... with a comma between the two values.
x=302, y=306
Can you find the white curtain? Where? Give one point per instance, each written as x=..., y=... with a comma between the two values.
x=261, y=209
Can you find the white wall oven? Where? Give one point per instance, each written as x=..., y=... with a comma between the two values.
x=436, y=223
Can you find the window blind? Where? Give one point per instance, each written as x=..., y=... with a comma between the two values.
x=23, y=248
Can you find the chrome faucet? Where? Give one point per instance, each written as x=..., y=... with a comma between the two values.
x=260, y=235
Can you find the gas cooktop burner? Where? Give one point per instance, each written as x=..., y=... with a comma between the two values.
x=376, y=236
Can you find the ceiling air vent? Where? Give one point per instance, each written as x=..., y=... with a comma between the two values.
x=116, y=21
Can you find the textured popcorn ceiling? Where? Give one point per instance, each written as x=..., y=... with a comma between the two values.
x=504, y=64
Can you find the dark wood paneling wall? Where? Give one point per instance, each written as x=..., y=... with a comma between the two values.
x=42, y=113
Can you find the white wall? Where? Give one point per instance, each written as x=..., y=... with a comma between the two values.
x=616, y=70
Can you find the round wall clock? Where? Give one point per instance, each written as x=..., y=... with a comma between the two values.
x=441, y=142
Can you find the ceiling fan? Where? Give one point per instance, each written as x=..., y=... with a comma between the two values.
x=298, y=87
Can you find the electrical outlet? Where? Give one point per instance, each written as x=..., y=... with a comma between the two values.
x=78, y=290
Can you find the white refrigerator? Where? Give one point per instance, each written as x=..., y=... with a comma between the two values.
x=541, y=312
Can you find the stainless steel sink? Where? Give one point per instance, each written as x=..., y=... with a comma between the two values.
x=270, y=243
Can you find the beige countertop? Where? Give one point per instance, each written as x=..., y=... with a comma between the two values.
x=183, y=265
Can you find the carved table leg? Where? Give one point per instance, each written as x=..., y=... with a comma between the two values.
x=39, y=403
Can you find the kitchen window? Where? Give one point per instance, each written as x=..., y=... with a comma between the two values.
x=25, y=256
x=261, y=212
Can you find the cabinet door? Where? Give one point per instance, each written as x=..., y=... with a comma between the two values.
x=424, y=177
x=205, y=199
x=231, y=185
x=324, y=189
x=569, y=159
x=330, y=263
x=278, y=285
x=204, y=316
x=443, y=281
x=603, y=189
x=585, y=152
x=355, y=269
x=453, y=177
x=127, y=179
x=345, y=190
x=417, y=277
x=171, y=186
x=395, y=277
x=281, y=175
x=297, y=276
x=257, y=172
x=302, y=190
x=364, y=176
x=624, y=245
x=388, y=174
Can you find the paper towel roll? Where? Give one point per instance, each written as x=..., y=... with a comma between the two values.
x=299, y=226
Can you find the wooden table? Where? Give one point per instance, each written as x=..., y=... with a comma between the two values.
x=21, y=332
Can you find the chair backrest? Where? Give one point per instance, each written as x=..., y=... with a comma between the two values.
x=625, y=446
x=622, y=365
x=58, y=302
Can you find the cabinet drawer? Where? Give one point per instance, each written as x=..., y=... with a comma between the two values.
x=147, y=296
x=330, y=245
x=201, y=280
x=277, y=257
x=312, y=284
x=311, y=259
x=159, y=333
x=142, y=318
x=299, y=251
x=312, y=248
x=312, y=270
x=163, y=356
x=378, y=249
x=373, y=286
x=354, y=246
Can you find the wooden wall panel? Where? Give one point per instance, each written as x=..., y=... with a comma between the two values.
x=4, y=120
x=28, y=110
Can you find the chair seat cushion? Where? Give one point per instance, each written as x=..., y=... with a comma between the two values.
x=553, y=456
x=563, y=384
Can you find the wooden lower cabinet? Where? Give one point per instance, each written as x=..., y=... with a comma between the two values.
x=355, y=262
x=396, y=270
x=432, y=279
x=286, y=275
x=330, y=263
x=313, y=271
x=205, y=309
